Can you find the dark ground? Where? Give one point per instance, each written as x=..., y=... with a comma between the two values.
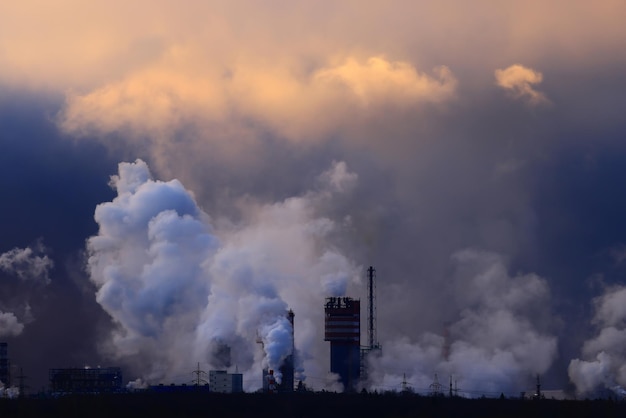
x=327, y=405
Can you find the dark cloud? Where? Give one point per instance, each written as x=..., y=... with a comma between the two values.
x=50, y=186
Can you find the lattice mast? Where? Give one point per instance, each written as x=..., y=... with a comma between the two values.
x=371, y=317
x=198, y=380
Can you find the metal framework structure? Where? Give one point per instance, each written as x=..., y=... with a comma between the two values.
x=373, y=346
x=371, y=317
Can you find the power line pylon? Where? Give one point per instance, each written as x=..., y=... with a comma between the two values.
x=198, y=379
x=22, y=386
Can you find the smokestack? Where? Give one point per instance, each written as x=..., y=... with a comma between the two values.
x=287, y=368
x=269, y=381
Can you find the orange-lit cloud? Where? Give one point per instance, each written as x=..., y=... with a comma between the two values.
x=519, y=81
x=158, y=100
x=304, y=71
x=72, y=42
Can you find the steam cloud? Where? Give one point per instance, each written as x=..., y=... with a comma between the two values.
x=181, y=287
x=9, y=392
x=10, y=325
x=604, y=358
x=27, y=263
x=185, y=288
x=497, y=343
x=32, y=266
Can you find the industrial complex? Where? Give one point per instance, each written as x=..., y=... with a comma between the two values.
x=342, y=329
x=85, y=380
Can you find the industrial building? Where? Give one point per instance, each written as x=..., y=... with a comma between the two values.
x=343, y=330
x=222, y=382
x=5, y=367
x=85, y=380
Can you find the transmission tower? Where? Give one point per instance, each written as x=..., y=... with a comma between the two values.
x=22, y=386
x=435, y=387
x=198, y=376
x=404, y=383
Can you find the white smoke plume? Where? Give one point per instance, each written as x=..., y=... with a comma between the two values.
x=603, y=363
x=497, y=342
x=137, y=384
x=11, y=392
x=28, y=263
x=10, y=325
x=32, y=266
x=181, y=286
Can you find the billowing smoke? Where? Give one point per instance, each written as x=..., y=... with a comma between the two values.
x=11, y=392
x=27, y=263
x=10, y=325
x=137, y=384
x=184, y=288
x=31, y=265
x=497, y=341
x=604, y=357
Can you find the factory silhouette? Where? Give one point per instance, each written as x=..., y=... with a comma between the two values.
x=101, y=391
x=342, y=329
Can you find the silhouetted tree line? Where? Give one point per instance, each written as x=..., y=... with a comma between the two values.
x=300, y=405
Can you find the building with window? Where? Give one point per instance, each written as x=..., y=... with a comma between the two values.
x=222, y=382
x=85, y=380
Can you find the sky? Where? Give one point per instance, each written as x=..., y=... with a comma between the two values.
x=175, y=176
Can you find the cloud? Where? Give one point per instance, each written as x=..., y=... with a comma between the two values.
x=9, y=392
x=179, y=288
x=32, y=266
x=75, y=44
x=497, y=341
x=339, y=177
x=519, y=80
x=10, y=325
x=603, y=357
x=158, y=101
x=245, y=104
x=27, y=263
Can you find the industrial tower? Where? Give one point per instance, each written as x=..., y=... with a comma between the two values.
x=371, y=317
x=343, y=330
x=372, y=347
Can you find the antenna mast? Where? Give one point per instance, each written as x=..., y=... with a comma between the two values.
x=371, y=289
